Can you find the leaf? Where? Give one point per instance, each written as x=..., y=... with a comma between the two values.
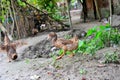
x=91, y=31
x=98, y=35
x=60, y=51
x=107, y=27
x=68, y=52
x=51, y=4
x=81, y=43
x=83, y=71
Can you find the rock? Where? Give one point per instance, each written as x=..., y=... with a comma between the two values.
x=42, y=49
x=34, y=77
x=116, y=20
x=77, y=32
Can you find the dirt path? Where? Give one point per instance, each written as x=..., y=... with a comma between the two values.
x=75, y=68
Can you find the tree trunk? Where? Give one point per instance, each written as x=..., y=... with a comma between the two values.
x=94, y=8
x=70, y=21
x=98, y=10
x=5, y=30
x=0, y=37
x=85, y=10
x=112, y=5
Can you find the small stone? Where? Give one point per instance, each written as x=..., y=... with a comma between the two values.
x=34, y=77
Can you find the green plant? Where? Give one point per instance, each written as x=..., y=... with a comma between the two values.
x=81, y=46
x=53, y=60
x=21, y=3
x=4, y=9
x=98, y=38
x=111, y=57
x=57, y=16
x=27, y=60
x=50, y=6
x=61, y=51
x=83, y=71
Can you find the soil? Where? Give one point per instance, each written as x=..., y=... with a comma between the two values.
x=35, y=61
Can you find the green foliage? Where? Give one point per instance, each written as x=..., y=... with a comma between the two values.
x=5, y=4
x=98, y=38
x=21, y=3
x=48, y=5
x=61, y=51
x=53, y=60
x=58, y=17
x=4, y=8
x=111, y=57
x=81, y=46
x=115, y=36
x=27, y=61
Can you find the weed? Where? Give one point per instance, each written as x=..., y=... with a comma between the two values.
x=83, y=71
x=111, y=57
x=27, y=60
x=53, y=60
x=67, y=36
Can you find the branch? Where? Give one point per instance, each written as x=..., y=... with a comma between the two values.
x=5, y=30
x=15, y=18
x=33, y=6
x=44, y=13
x=12, y=26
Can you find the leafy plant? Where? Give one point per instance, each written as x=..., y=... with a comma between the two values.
x=53, y=60
x=47, y=5
x=111, y=57
x=5, y=4
x=21, y=3
x=98, y=38
x=81, y=47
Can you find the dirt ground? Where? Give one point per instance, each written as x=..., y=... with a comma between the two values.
x=34, y=63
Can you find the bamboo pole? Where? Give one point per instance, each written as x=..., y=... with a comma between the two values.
x=80, y=7
x=97, y=9
x=14, y=14
x=110, y=6
x=12, y=26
